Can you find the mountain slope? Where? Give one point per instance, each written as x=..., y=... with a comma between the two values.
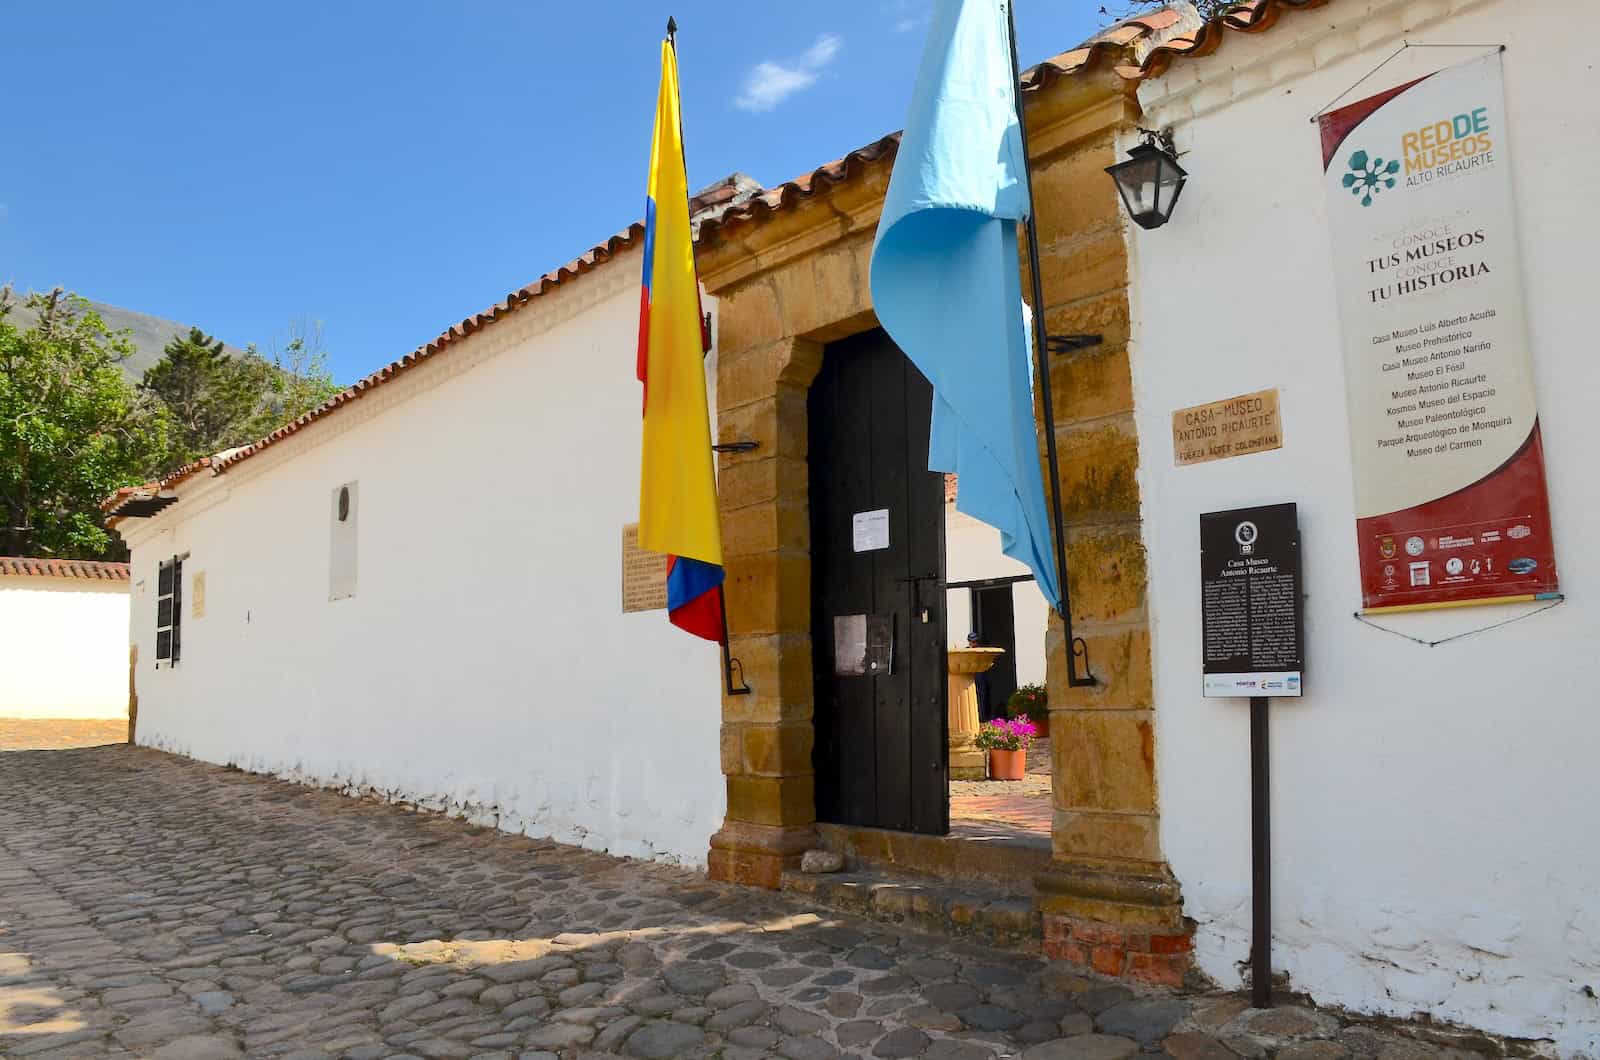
x=149, y=334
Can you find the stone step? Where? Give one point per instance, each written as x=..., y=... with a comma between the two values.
x=983, y=857
x=992, y=917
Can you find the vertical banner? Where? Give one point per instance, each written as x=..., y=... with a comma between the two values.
x=1451, y=501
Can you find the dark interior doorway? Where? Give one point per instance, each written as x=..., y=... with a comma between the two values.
x=878, y=592
x=994, y=624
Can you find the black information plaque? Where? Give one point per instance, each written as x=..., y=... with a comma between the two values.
x=1251, y=601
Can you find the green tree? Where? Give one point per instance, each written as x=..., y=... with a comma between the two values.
x=72, y=431
x=298, y=382
x=214, y=398
x=220, y=401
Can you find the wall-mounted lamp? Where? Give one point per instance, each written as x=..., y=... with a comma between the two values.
x=1150, y=179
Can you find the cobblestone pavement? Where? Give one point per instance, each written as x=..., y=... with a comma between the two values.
x=151, y=906
x=37, y=734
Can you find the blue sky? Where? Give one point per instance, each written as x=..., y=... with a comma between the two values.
x=390, y=168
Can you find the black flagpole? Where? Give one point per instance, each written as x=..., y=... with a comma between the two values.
x=729, y=663
x=1075, y=645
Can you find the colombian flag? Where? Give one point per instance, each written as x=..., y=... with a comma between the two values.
x=677, y=485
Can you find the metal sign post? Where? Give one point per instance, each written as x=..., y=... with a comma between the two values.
x=1251, y=618
x=1260, y=857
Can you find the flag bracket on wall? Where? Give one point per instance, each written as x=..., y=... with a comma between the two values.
x=1072, y=343
x=729, y=665
x=1080, y=650
x=736, y=447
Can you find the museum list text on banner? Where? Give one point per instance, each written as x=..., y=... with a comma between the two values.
x=1451, y=499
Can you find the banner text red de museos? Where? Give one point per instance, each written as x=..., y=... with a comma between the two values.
x=1451, y=500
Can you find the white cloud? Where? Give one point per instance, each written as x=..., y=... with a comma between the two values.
x=908, y=15
x=769, y=83
x=821, y=53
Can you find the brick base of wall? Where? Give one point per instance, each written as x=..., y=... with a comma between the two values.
x=1126, y=953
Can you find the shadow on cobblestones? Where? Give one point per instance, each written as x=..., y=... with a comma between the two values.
x=153, y=906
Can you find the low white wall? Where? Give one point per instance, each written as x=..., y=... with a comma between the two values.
x=972, y=553
x=483, y=665
x=1434, y=840
x=64, y=646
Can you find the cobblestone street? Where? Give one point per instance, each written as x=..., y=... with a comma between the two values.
x=37, y=734
x=152, y=906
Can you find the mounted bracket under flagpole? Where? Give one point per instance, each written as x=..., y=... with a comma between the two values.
x=729, y=663
x=1076, y=647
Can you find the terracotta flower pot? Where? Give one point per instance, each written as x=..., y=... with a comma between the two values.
x=1007, y=765
x=1042, y=724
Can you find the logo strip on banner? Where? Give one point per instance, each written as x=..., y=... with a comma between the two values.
x=1452, y=506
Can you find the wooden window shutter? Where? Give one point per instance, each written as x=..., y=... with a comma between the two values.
x=177, y=607
x=169, y=610
x=164, y=613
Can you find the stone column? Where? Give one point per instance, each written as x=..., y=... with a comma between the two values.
x=767, y=735
x=967, y=762
x=1110, y=901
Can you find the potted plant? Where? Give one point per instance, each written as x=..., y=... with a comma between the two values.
x=1031, y=702
x=1007, y=743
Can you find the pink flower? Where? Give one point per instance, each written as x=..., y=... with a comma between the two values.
x=1004, y=735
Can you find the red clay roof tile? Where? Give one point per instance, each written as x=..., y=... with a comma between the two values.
x=112, y=504
x=88, y=569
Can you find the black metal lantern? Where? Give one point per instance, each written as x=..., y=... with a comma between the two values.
x=1150, y=180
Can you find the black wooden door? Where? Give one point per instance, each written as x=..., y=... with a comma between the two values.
x=881, y=756
x=994, y=621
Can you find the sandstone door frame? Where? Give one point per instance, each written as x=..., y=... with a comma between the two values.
x=790, y=276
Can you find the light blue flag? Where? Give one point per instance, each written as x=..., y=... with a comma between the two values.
x=946, y=281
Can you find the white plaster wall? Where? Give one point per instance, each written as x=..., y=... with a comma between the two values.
x=63, y=648
x=972, y=553
x=484, y=665
x=1434, y=839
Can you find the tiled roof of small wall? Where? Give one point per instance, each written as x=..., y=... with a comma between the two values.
x=1252, y=16
x=87, y=569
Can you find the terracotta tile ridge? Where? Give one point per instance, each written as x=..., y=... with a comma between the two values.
x=86, y=569
x=150, y=489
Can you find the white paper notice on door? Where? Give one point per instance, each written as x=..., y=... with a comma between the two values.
x=870, y=530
